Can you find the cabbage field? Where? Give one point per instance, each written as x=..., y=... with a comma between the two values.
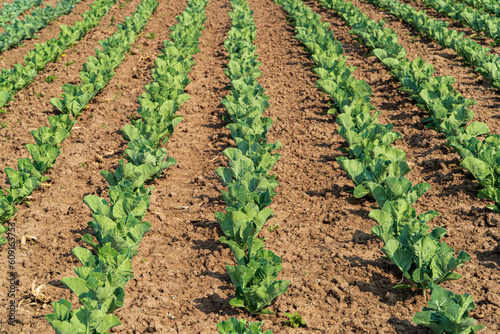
x=250, y=166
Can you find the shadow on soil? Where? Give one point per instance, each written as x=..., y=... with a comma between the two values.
x=213, y=303
x=490, y=259
x=380, y=285
x=211, y=245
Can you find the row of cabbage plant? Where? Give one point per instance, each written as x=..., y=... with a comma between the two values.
x=96, y=73
x=448, y=110
x=19, y=30
x=490, y=6
x=377, y=168
x=16, y=8
x=476, y=19
x=22, y=74
x=118, y=223
x=477, y=56
x=250, y=187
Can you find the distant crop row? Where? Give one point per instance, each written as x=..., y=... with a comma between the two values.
x=95, y=75
x=12, y=10
x=22, y=74
x=490, y=6
x=39, y=18
x=476, y=19
x=487, y=64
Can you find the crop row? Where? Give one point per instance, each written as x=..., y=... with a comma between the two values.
x=490, y=6
x=377, y=168
x=478, y=21
x=22, y=74
x=24, y=29
x=250, y=187
x=448, y=110
x=96, y=73
x=12, y=10
x=488, y=65
x=118, y=224
x=449, y=115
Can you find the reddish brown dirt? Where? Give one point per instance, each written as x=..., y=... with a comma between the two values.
x=339, y=282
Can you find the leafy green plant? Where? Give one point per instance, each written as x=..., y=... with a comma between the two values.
x=295, y=320
x=151, y=35
x=421, y=257
x=235, y=326
x=448, y=313
x=50, y=78
x=255, y=276
x=273, y=228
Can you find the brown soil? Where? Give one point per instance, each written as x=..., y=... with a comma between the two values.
x=339, y=282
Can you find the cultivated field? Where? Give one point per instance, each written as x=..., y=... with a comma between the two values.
x=273, y=101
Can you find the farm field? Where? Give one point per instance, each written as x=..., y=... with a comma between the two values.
x=339, y=282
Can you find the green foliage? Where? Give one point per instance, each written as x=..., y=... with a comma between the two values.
x=39, y=18
x=480, y=22
x=50, y=78
x=11, y=10
x=295, y=320
x=87, y=319
x=375, y=166
x=482, y=159
x=420, y=255
x=487, y=65
x=99, y=70
x=7, y=210
x=22, y=74
x=3, y=229
x=255, y=276
x=235, y=326
x=448, y=313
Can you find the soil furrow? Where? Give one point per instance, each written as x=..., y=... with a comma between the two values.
x=323, y=233
x=181, y=285
x=57, y=215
